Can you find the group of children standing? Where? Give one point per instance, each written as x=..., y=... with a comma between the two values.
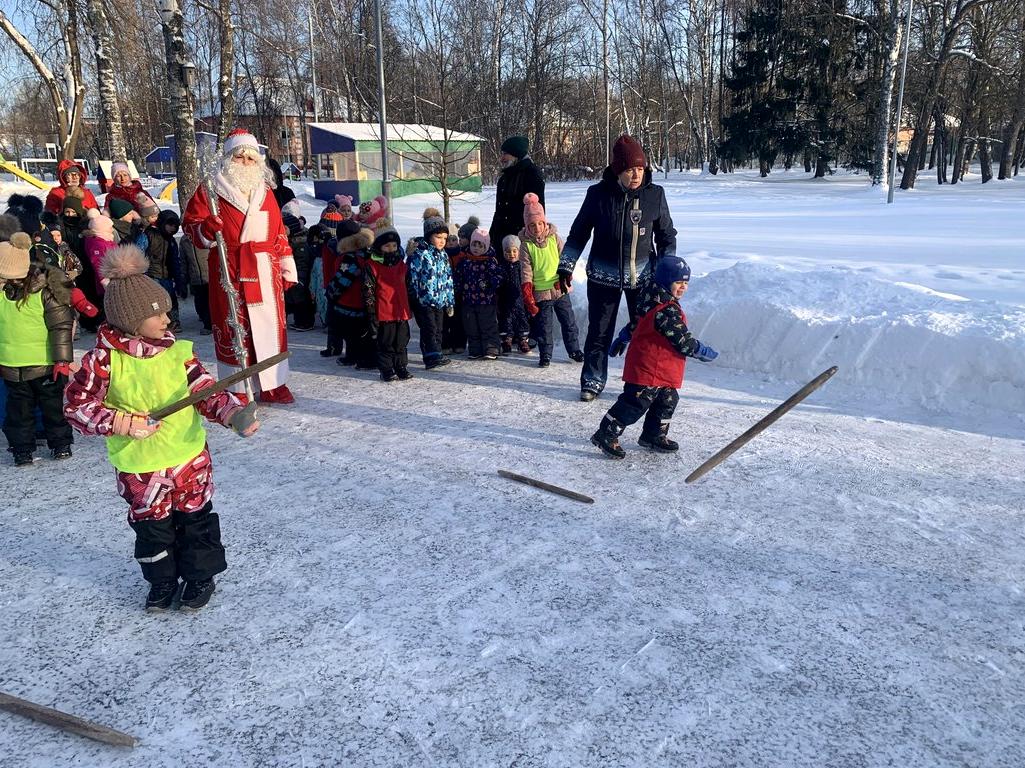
x=450, y=281
x=164, y=468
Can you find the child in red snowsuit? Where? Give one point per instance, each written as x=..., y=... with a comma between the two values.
x=659, y=345
x=386, y=298
x=163, y=468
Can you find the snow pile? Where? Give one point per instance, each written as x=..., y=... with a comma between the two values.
x=939, y=350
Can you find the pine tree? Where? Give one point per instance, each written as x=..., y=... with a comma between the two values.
x=764, y=90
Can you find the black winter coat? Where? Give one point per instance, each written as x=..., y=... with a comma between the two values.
x=513, y=183
x=607, y=213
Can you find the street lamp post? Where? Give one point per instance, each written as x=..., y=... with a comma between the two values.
x=382, y=108
x=313, y=74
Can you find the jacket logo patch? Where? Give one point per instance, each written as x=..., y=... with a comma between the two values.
x=635, y=216
x=643, y=231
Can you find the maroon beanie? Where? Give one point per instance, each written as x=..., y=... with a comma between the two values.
x=627, y=152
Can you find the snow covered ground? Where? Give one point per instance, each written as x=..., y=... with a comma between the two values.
x=846, y=591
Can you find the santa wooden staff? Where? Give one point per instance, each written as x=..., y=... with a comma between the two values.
x=260, y=263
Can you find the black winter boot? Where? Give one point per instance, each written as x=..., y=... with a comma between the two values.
x=607, y=438
x=659, y=442
x=161, y=595
x=196, y=594
x=403, y=374
x=389, y=375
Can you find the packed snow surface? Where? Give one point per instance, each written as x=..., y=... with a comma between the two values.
x=844, y=591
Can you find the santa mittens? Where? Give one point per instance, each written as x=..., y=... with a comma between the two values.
x=211, y=226
x=81, y=304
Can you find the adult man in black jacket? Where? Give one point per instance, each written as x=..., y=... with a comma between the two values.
x=632, y=228
x=519, y=176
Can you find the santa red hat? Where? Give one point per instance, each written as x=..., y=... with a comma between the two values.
x=239, y=138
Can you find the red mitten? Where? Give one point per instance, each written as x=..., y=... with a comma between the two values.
x=211, y=226
x=82, y=304
x=288, y=285
x=61, y=369
x=528, y=299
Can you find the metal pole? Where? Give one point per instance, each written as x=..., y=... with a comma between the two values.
x=313, y=68
x=313, y=72
x=382, y=106
x=900, y=104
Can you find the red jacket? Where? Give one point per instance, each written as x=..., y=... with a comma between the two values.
x=391, y=298
x=651, y=360
x=55, y=200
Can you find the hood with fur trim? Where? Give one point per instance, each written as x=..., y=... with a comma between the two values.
x=360, y=241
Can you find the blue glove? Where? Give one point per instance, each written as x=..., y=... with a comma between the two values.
x=703, y=352
x=618, y=345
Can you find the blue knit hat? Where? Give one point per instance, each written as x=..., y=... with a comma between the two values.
x=671, y=269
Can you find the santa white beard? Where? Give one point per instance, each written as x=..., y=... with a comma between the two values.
x=245, y=178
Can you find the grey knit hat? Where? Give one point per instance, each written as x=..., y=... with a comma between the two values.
x=466, y=230
x=131, y=296
x=433, y=223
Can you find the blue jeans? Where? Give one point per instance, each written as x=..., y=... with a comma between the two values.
x=562, y=308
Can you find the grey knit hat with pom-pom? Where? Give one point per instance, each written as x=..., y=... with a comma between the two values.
x=130, y=296
x=433, y=223
x=467, y=229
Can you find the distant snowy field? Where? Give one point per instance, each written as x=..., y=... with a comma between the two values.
x=846, y=591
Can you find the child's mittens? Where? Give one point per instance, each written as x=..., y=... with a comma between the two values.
x=61, y=369
x=619, y=344
x=528, y=299
x=243, y=420
x=702, y=352
x=82, y=304
x=134, y=425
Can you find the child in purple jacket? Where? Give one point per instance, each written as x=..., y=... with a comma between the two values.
x=477, y=279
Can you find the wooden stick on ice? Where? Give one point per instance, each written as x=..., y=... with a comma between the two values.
x=65, y=721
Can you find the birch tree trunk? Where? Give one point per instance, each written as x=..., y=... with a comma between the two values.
x=226, y=81
x=110, y=107
x=186, y=162
x=893, y=33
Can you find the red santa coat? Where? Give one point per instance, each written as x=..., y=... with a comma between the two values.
x=259, y=264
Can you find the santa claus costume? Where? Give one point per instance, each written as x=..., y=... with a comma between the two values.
x=260, y=263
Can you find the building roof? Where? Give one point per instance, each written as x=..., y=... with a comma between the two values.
x=396, y=132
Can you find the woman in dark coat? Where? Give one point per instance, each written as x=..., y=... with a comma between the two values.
x=629, y=219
